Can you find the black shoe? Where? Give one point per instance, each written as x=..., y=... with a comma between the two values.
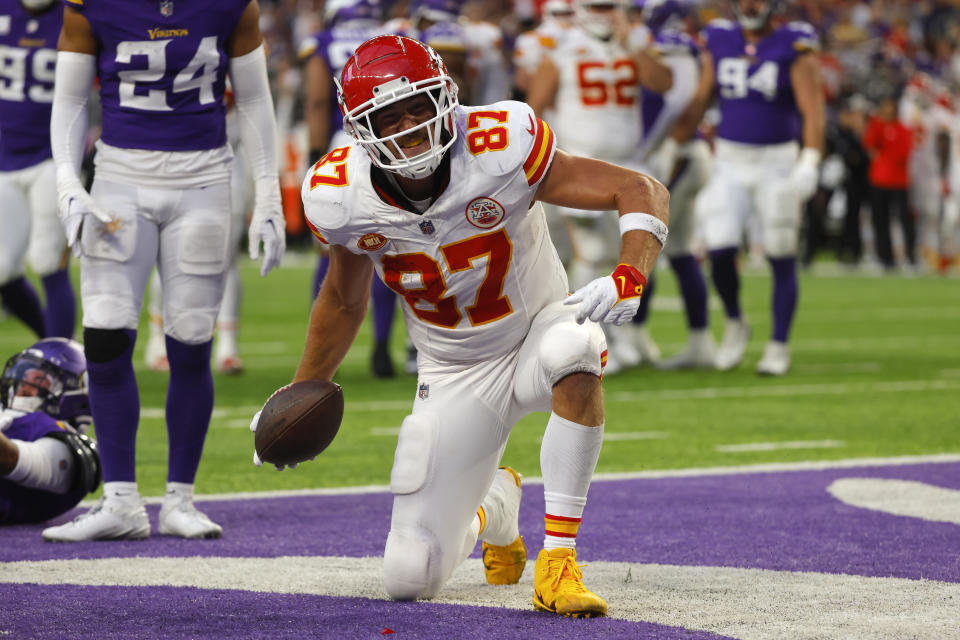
x=381, y=363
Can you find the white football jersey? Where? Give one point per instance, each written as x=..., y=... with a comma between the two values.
x=598, y=98
x=531, y=46
x=478, y=264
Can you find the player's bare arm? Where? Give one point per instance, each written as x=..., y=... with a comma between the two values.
x=689, y=120
x=76, y=35
x=652, y=73
x=584, y=183
x=808, y=91
x=543, y=86
x=336, y=316
x=246, y=35
x=317, y=104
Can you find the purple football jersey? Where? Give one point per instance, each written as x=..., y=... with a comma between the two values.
x=335, y=46
x=19, y=504
x=757, y=105
x=28, y=59
x=162, y=67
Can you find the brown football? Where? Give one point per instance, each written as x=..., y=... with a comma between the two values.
x=299, y=421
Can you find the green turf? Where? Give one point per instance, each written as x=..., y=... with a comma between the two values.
x=876, y=371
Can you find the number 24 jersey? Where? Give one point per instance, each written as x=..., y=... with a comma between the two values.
x=475, y=267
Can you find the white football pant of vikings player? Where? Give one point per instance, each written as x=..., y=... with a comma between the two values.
x=226, y=358
x=762, y=184
x=32, y=233
x=450, y=445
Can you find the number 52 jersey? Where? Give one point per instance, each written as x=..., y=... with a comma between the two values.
x=478, y=264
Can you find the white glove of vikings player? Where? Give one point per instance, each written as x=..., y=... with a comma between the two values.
x=256, y=458
x=806, y=173
x=74, y=204
x=267, y=225
x=613, y=299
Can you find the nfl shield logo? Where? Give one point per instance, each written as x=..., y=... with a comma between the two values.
x=166, y=8
x=427, y=227
x=424, y=391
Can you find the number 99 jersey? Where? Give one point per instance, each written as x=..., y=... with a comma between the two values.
x=477, y=265
x=162, y=67
x=757, y=105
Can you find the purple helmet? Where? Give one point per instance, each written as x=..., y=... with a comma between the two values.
x=50, y=376
x=758, y=21
x=339, y=12
x=435, y=10
x=658, y=13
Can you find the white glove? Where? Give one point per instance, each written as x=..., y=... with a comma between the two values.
x=806, y=173
x=256, y=459
x=267, y=225
x=612, y=299
x=73, y=204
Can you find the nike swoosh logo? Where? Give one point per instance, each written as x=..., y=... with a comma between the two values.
x=533, y=127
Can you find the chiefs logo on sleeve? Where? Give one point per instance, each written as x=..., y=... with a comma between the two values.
x=544, y=144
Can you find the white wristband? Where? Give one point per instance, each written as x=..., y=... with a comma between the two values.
x=644, y=222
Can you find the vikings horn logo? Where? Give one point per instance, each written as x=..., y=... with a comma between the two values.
x=484, y=213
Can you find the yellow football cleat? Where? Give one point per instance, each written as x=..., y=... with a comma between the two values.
x=504, y=565
x=558, y=586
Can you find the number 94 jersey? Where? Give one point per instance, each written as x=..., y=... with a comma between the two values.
x=162, y=67
x=757, y=105
x=476, y=267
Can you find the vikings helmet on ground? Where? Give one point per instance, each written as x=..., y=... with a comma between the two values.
x=383, y=71
x=755, y=22
x=50, y=376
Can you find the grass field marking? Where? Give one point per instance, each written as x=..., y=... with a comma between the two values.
x=838, y=367
x=635, y=435
x=774, y=446
x=891, y=343
x=899, y=497
x=753, y=604
x=263, y=348
x=759, y=390
x=385, y=431
x=950, y=373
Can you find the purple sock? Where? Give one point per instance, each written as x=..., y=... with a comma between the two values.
x=189, y=406
x=693, y=288
x=644, y=309
x=323, y=263
x=384, y=307
x=723, y=264
x=20, y=299
x=785, y=293
x=115, y=404
x=60, y=315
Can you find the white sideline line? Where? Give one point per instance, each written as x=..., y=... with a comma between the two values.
x=385, y=431
x=774, y=446
x=705, y=393
x=768, y=467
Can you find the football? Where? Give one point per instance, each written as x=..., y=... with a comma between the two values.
x=299, y=421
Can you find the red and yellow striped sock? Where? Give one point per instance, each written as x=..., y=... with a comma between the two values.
x=561, y=532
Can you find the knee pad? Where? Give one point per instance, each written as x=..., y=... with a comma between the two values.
x=86, y=457
x=411, y=565
x=104, y=345
x=189, y=326
x=568, y=347
x=415, y=447
x=719, y=211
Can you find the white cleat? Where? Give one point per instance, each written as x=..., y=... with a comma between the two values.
x=155, y=355
x=700, y=353
x=736, y=335
x=228, y=364
x=106, y=520
x=178, y=517
x=649, y=351
x=775, y=360
x=502, y=508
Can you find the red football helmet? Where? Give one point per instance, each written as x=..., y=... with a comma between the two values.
x=385, y=70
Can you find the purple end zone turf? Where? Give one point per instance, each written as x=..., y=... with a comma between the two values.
x=780, y=521
x=168, y=613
